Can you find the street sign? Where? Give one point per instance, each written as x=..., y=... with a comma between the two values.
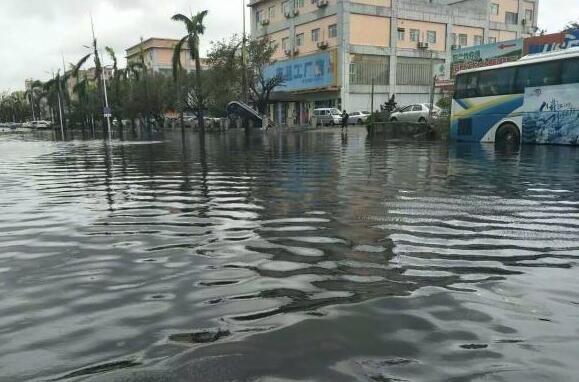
x=107, y=112
x=439, y=70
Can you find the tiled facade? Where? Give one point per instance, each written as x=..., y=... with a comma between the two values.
x=158, y=55
x=394, y=41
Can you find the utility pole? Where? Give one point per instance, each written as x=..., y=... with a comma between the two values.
x=433, y=85
x=372, y=109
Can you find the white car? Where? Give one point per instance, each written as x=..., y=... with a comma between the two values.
x=417, y=113
x=327, y=116
x=41, y=125
x=358, y=117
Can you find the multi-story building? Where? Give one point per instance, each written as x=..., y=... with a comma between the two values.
x=158, y=55
x=331, y=51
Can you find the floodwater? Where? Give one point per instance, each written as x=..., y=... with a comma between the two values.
x=292, y=257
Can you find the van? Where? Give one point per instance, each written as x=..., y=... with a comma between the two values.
x=327, y=116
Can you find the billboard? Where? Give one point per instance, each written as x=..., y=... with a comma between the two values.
x=551, y=115
x=552, y=42
x=486, y=55
x=308, y=72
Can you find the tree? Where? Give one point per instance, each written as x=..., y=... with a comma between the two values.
x=225, y=71
x=571, y=26
x=260, y=53
x=195, y=28
x=224, y=74
x=116, y=84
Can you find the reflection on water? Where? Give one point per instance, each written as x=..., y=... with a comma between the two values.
x=307, y=256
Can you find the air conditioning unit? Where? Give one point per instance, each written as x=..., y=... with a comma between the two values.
x=287, y=14
x=422, y=45
x=322, y=3
x=288, y=51
x=296, y=51
x=323, y=45
x=455, y=47
x=264, y=22
x=296, y=12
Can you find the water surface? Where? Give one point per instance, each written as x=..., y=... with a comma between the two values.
x=287, y=257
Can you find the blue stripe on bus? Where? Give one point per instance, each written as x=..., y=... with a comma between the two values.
x=483, y=119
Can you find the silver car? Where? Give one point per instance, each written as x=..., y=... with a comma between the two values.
x=417, y=113
x=358, y=117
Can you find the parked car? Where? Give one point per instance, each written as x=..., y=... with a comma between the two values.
x=358, y=117
x=40, y=125
x=327, y=116
x=418, y=113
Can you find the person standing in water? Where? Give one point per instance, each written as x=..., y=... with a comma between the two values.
x=345, y=118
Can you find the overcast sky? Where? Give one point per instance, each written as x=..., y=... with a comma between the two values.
x=35, y=32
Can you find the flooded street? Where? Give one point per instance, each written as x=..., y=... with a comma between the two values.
x=287, y=257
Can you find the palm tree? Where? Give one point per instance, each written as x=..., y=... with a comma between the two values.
x=33, y=94
x=195, y=28
x=117, y=75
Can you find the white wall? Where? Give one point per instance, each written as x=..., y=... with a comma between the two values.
x=362, y=102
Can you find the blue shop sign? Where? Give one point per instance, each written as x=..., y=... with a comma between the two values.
x=308, y=72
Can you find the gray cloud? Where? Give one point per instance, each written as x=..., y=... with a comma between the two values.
x=35, y=32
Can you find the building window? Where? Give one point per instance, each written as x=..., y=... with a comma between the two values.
x=511, y=18
x=453, y=40
x=401, y=34
x=333, y=31
x=298, y=4
x=271, y=13
x=286, y=8
x=259, y=16
x=492, y=40
x=300, y=39
x=285, y=44
x=431, y=37
x=478, y=40
x=414, y=35
x=462, y=39
x=494, y=9
x=529, y=16
x=316, y=35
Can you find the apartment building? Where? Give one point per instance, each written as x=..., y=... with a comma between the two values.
x=158, y=55
x=331, y=51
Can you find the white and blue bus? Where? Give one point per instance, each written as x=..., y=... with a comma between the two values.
x=532, y=100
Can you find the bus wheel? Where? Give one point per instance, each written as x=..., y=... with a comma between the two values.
x=508, y=135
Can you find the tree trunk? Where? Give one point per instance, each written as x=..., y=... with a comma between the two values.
x=200, y=119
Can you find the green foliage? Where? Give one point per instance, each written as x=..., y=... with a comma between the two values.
x=226, y=61
x=444, y=103
x=571, y=26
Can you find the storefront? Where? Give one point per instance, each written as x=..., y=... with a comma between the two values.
x=310, y=82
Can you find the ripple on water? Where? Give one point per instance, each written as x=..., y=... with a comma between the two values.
x=354, y=258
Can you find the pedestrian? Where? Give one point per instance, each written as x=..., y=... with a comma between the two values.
x=345, y=117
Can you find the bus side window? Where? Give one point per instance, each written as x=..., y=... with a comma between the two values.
x=524, y=74
x=460, y=91
x=472, y=86
x=570, y=71
x=536, y=75
x=496, y=82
